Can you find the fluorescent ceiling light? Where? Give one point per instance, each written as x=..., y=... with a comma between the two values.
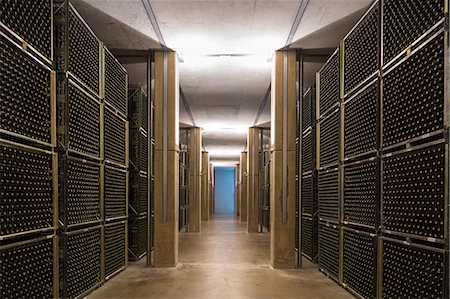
x=224, y=153
x=218, y=128
x=224, y=164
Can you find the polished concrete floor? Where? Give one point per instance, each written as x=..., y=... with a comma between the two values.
x=223, y=261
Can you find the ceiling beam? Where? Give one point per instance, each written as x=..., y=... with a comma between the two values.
x=297, y=20
x=152, y=18
x=262, y=106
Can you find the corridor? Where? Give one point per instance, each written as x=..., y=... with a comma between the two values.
x=223, y=261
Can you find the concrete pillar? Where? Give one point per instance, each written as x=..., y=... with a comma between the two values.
x=243, y=189
x=237, y=191
x=166, y=89
x=195, y=179
x=282, y=176
x=211, y=189
x=253, y=179
x=205, y=186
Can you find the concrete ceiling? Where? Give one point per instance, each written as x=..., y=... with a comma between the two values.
x=225, y=47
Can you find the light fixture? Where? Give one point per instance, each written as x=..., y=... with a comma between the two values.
x=224, y=128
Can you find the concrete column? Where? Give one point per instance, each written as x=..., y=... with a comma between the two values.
x=282, y=176
x=237, y=191
x=166, y=89
x=253, y=179
x=205, y=186
x=195, y=179
x=211, y=189
x=243, y=189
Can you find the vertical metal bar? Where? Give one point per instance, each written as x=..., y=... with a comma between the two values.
x=149, y=162
x=55, y=267
x=194, y=168
x=285, y=112
x=299, y=149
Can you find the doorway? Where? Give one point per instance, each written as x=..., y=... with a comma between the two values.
x=224, y=178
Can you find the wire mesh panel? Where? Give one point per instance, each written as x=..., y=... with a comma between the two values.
x=32, y=21
x=139, y=155
x=309, y=108
x=362, y=109
x=79, y=191
x=360, y=193
x=329, y=194
x=81, y=270
x=116, y=85
x=138, y=193
x=412, y=272
x=138, y=108
x=406, y=21
x=78, y=120
x=308, y=194
x=308, y=155
x=329, y=92
x=309, y=237
x=359, y=263
x=329, y=140
x=137, y=237
x=25, y=101
x=413, y=101
x=329, y=249
x=26, y=269
x=115, y=138
x=77, y=48
x=361, y=50
x=115, y=192
x=414, y=190
x=26, y=190
x=114, y=248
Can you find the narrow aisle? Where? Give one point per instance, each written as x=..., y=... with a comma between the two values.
x=223, y=261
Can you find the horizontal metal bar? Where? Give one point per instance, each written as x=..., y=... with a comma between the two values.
x=25, y=233
x=20, y=243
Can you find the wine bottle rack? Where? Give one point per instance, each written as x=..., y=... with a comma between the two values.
x=329, y=249
x=81, y=266
x=359, y=263
x=328, y=194
x=329, y=140
x=308, y=152
x=309, y=237
x=79, y=188
x=309, y=108
x=26, y=105
x=405, y=22
x=30, y=22
x=115, y=248
x=414, y=191
x=308, y=194
x=138, y=193
x=78, y=50
x=116, y=138
x=328, y=84
x=116, y=185
x=78, y=120
x=138, y=108
x=413, y=94
x=116, y=84
x=411, y=271
x=139, y=154
x=137, y=237
x=361, y=193
x=361, y=109
x=27, y=269
x=28, y=195
x=361, y=47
